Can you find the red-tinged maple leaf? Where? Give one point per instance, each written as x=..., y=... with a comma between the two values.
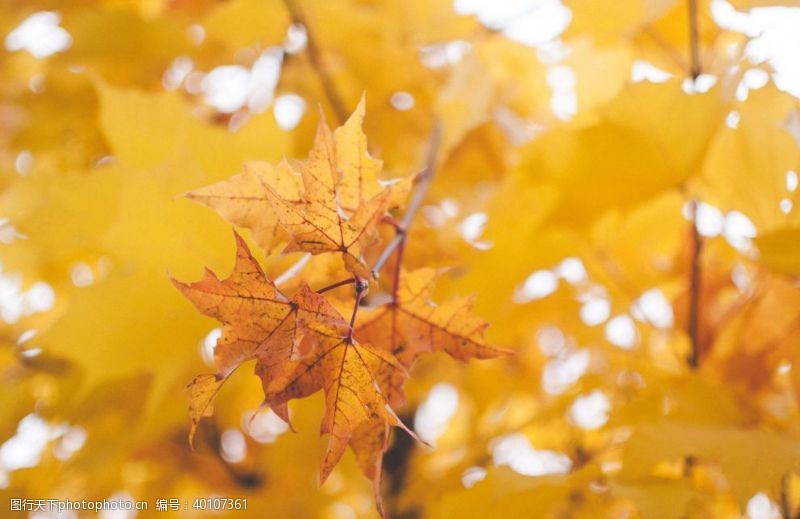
x=412, y=325
x=345, y=370
x=258, y=321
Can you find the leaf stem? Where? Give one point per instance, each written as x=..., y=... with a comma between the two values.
x=338, y=284
x=390, y=220
x=362, y=285
x=315, y=56
x=694, y=40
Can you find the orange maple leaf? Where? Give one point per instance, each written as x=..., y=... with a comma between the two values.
x=355, y=406
x=244, y=200
x=259, y=322
x=411, y=325
x=330, y=202
x=303, y=344
x=322, y=223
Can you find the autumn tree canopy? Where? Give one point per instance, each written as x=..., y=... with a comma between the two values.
x=338, y=259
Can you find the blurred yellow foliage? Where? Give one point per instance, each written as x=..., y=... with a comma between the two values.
x=615, y=182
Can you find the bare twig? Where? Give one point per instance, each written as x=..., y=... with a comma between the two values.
x=387, y=252
x=422, y=184
x=693, y=319
x=398, y=264
x=315, y=56
x=694, y=40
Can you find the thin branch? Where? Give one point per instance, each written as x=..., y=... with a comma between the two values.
x=348, y=281
x=422, y=184
x=424, y=179
x=391, y=220
x=693, y=320
x=397, y=265
x=387, y=252
x=315, y=56
x=694, y=40
x=362, y=285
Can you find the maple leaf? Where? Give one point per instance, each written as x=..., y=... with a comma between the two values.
x=359, y=171
x=369, y=442
x=202, y=392
x=355, y=406
x=593, y=196
x=412, y=325
x=258, y=322
x=342, y=201
x=332, y=204
x=244, y=199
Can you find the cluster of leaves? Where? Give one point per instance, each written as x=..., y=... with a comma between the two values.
x=634, y=200
x=330, y=203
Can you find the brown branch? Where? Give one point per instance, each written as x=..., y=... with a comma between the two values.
x=422, y=184
x=391, y=220
x=693, y=320
x=694, y=40
x=315, y=56
x=348, y=281
x=362, y=285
